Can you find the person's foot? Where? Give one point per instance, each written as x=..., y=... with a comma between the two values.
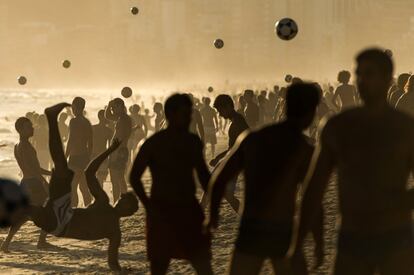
x=46, y=246
x=53, y=111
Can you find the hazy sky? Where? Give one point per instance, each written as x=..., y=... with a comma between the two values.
x=171, y=41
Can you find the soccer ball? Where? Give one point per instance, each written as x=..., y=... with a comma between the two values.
x=126, y=92
x=66, y=64
x=218, y=43
x=14, y=203
x=210, y=89
x=134, y=10
x=22, y=80
x=286, y=29
x=288, y=78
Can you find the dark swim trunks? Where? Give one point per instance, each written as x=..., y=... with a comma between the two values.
x=263, y=239
x=375, y=247
x=176, y=232
x=119, y=159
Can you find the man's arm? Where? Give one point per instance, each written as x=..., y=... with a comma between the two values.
x=226, y=172
x=319, y=172
x=138, y=168
x=201, y=167
x=113, y=248
x=90, y=173
x=90, y=139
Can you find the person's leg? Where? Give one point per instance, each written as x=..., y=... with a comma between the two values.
x=399, y=262
x=75, y=185
x=86, y=194
x=244, y=264
x=296, y=266
x=233, y=201
x=41, y=242
x=202, y=266
x=159, y=266
x=346, y=264
x=116, y=188
x=60, y=182
x=12, y=231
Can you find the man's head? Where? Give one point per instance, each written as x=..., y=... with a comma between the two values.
x=344, y=77
x=158, y=108
x=118, y=107
x=178, y=111
x=134, y=109
x=101, y=116
x=207, y=101
x=24, y=127
x=224, y=105
x=248, y=96
x=127, y=205
x=301, y=102
x=78, y=105
x=374, y=75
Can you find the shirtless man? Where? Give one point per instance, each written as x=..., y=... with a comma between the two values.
x=345, y=92
x=225, y=107
x=196, y=125
x=274, y=161
x=116, y=111
x=372, y=148
x=32, y=181
x=102, y=135
x=174, y=216
x=210, y=123
x=252, y=111
x=99, y=220
x=79, y=150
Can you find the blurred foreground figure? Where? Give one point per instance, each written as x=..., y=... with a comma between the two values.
x=372, y=148
x=174, y=216
x=99, y=220
x=274, y=161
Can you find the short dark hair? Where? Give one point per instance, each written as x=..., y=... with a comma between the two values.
x=301, y=98
x=223, y=100
x=344, y=76
x=20, y=122
x=380, y=58
x=79, y=102
x=175, y=102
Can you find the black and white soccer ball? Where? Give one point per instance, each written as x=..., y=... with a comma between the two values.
x=14, y=203
x=218, y=43
x=286, y=29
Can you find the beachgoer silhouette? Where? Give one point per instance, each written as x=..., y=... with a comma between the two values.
x=372, y=149
x=196, y=125
x=252, y=113
x=102, y=136
x=345, y=92
x=79, y=150
x=118, y=161
x=210, y=123
x=274, y=161
x=399, y=89
x=406, y=101
x=33, y=182
x=174, y=216
x=159, y=119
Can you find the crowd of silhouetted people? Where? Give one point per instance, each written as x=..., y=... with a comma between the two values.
x=283, y=141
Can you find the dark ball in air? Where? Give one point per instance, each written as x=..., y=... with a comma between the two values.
x=66, y=64
x=134, y=10
x=126, y=92
x=22, y=80
x=218, y=43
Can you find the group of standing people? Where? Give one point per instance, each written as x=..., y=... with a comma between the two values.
x=370, y=143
